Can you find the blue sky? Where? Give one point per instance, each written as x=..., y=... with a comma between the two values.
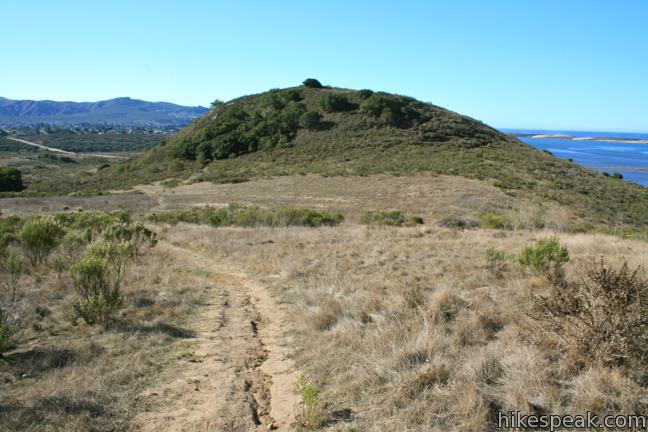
x=563, y=64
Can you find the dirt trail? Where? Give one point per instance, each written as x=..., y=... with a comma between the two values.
x=65, y=152
x=234, y=373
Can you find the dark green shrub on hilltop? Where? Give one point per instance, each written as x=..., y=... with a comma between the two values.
x=310, y=120
x=237, y=130
x=365, y=93
x=312, y=83
x=10, y=180
x=335, y=102
x=390, y=109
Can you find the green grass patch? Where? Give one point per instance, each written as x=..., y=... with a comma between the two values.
x=493, y=221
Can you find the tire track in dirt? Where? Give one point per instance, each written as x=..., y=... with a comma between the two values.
x=235, y=374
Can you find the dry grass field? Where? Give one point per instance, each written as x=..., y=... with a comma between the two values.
x=384, y=328
x=408, y=329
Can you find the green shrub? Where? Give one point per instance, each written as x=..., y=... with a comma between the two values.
x=496, y=261
x=134, y=233
x=10, y=180
x=96, y=221
x=58, y=265
x=38, y=238
x=546, y=257
x=414, y=220
x=310, y=413
x=312, y=83
x=289, y=216
x=390, y=217
x=335, y=102
x=236, y=215
x=390, y=109
x=116, y=256
x=602, y=316
x=310, y=120
x=493, y=220
x=617, y=175
x=459, y=222
x=365, y=93
x=99, y=301
x=72, y=245
x=13, y=267
x=6, y=332
x=273, y=122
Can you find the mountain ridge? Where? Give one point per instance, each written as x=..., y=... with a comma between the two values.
x=119, y=111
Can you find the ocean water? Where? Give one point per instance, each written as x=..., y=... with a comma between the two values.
x=602, y=156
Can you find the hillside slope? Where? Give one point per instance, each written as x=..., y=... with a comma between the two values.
x=122, y=111
x=332, y=131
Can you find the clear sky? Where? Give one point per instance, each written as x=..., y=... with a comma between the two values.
x=553, y=64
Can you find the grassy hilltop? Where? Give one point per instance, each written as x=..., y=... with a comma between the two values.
x=332, y=131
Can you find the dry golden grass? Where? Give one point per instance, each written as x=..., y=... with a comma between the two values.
x=400, y=329
x=424, y=194
x=407, y=329
x=78, y=378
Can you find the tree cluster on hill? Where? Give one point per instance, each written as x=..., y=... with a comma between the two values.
x=273, y=120
x=236, y=130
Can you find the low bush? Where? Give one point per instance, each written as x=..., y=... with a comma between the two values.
x=335, y=102
x=546, y=256
x=390, y=109
x=602, y=315
x=389, y=217
x=459, y=222
x=99, y=301
x=493, y=221
x=94, y=221
x=236, y=215
x=72, y=245
x=12, y=306
x=365, y=93
x=38, y=238
x=136, y=234
x=310, y=413
x=10, y=180
x=496, y=261
x=310, y=120
x=6, y=332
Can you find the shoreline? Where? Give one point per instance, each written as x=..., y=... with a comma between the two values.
x=586, y=138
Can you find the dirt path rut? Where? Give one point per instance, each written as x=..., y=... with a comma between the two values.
x=234, y=373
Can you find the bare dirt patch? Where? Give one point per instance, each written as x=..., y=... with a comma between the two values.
x=234, y=374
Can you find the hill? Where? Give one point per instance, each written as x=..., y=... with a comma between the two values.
x=332, y=131
x=121, y=111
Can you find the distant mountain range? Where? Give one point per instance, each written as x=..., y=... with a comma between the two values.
x=120, y=111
